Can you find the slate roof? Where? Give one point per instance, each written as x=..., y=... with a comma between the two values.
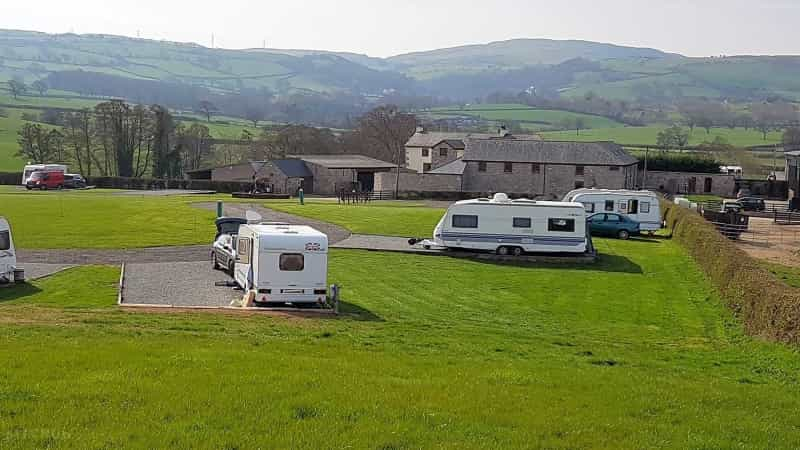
x=547, y=152
x=345, y=161
x=432, y=138
x=452, y=168
x=293, y=168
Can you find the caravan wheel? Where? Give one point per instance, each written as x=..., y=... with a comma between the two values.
x=517, y=251
x=502, y=250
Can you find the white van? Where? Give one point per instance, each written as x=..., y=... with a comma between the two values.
x=509, y=226
x=641, y=206
x=282, y=263
x=8, y=258
x=30, y=168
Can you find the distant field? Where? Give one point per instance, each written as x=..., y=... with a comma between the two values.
x=649, y=136
x=532, y=118
x=8, y=140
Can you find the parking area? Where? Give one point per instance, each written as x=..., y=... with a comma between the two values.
x=177, y=284
x=772, y=242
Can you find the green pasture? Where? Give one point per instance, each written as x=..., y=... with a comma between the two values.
x=649, y=136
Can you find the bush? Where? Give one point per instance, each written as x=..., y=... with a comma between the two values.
x=767, y=307
x=10, y=178
x=687, y=162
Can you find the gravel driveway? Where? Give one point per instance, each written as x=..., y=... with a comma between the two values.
x=112, y=256
x=181, y=284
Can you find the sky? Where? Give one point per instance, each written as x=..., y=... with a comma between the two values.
x=385, y=28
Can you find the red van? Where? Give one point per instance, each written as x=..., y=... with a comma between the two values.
x=45, y=179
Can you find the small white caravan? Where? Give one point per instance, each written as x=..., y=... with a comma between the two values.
x=509, y=226
x=30, y=168
x=641, y=206
x=282, y=263
x=8, y=258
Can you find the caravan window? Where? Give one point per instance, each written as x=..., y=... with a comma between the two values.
x=461, y=221
x=565, y=225
x=589, y=207
x=5, y=240
x=522, y=222
x=243, y=251
x=609, y=205
x=644, y=207
x=633, y=206
x=291, y=262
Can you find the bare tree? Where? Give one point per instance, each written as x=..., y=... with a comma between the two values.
x=17, y=87
x=34, y=144
x=390, y=129
x=40, y=87
x=77, y=131
x=207, y=108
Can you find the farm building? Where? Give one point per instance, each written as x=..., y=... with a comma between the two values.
x=536, y=168
x=316, y=174
x=427, y=150
x=723, y=185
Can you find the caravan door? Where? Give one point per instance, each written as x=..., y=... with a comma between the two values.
x=243, y=269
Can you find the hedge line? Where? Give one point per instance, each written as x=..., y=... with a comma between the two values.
x=768, y=308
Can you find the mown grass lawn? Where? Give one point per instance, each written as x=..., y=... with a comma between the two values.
x=633, y=352
x=385, y=218
x=649, y=135
x=104, y=219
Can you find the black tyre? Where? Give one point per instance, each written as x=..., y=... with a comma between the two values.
x=517, y=251
x=502, y=250
x=214, y=261
x=60, y=187
x=44, y=187
x=28, y=188
x=624, y=235
x=231, y=266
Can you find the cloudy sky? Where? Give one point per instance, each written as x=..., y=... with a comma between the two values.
x=384, y=27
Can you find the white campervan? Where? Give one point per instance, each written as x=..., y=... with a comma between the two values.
x=30, y=168
x=8, y=258
x=641, y=206
x=282, y=263
x=509, y=226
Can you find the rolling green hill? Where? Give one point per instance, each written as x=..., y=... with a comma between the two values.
x=533, y=119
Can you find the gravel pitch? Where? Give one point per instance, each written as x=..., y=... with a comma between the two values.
x=36, y=271
x=112, y=256
x=179, y=284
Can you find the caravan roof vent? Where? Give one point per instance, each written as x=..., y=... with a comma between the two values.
x=500, y=198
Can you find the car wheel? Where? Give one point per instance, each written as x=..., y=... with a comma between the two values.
x=28, y=188
x=60, y=187
x=623, y=234
x=214, y=261
x=44, y=187
x=231, y=267
x=517, y=251
x=502, y=250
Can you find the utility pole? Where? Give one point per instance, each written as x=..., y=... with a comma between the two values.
x=644, y=177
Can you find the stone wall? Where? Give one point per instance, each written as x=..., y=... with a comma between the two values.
x=438, y=160
x=330, y=181
x=550, y=182
x=268, y=175
x=418, y=182
x=690, y=183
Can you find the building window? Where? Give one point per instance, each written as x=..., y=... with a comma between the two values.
x=426, y=152
x=462, y=221
x=563, y=225
x=579, y=184
x=426, y=167
x=291, y=262
x=522, y=222
x=579, y=171
x=442, y=152
x=508, y=167
x=536, y=168
x=707, y=186
x=614, y=168
x=482, y=166
x=609, y=205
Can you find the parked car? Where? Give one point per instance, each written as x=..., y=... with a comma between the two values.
x=45, y=180
x=74, y=181
x=752, y=203
x=223, y=250
x=615, y=225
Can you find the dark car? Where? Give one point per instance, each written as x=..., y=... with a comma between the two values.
x=615, y=225
x=752, y=203
x=223, y=250
x=74, y=181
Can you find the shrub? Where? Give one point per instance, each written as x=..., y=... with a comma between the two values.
x=767, y=307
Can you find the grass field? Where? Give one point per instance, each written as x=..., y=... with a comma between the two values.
x=633, y=352
x=104, y=220
x=532, y=118
x=649, y=136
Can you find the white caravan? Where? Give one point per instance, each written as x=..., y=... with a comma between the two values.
x=641, y=206
x=8, y=258
x=509, y=226
x=282, y=263
x=30, y=168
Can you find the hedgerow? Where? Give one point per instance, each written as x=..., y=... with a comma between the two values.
x=767, y=307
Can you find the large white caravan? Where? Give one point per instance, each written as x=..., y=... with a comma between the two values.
x=8, y=258
x=282, y=263
x=509, y=226
x=30, y=168
x=641, y=206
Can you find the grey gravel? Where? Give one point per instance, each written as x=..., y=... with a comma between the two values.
x=181, y=284
x=37, y=271
x=113, y=256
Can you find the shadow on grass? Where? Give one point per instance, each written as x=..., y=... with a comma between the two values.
x=355, y=312
x=604, y=263
x=10, y=293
